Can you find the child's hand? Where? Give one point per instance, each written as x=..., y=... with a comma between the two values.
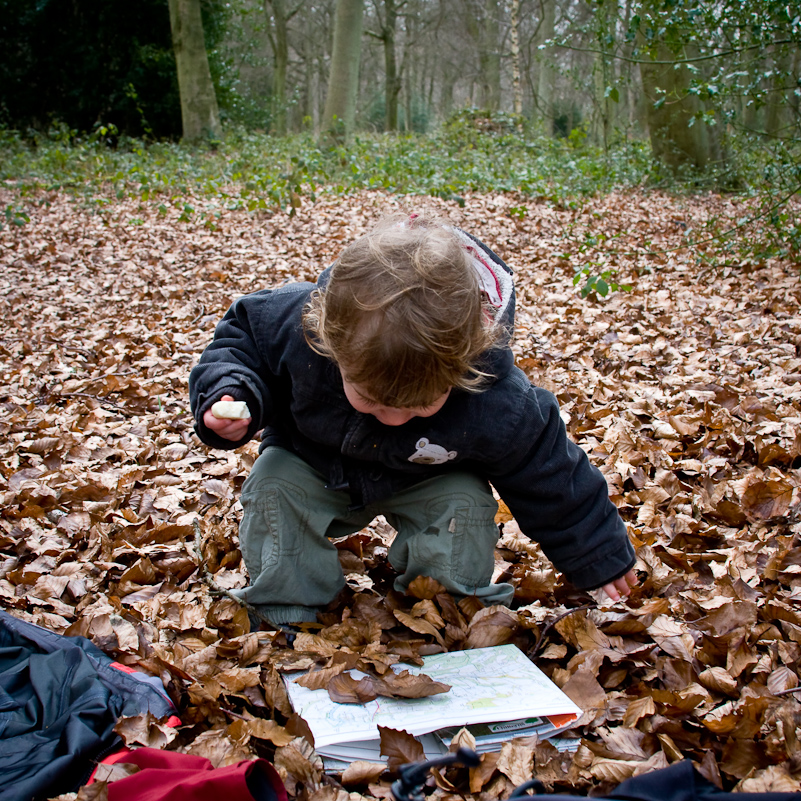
x=621, y=586
x=224, y=427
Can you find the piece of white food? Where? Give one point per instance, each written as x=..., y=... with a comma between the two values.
x=231, y=410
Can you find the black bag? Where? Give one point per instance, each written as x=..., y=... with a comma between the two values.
x=681, y=782
x=678, y=782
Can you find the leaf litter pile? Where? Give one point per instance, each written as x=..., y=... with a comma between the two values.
x=118, y=525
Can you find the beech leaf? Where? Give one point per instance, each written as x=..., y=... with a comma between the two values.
x=344, y=689
x=399, y=747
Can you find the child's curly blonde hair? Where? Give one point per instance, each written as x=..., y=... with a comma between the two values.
x=403, y=315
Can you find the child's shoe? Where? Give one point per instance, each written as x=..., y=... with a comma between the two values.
x=260, y=621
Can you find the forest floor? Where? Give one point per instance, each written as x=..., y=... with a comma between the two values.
x=684, y=391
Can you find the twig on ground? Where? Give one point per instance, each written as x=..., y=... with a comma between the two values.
x=788, y=692
x=532, y=653
x=233, y=714
x=106, y=404
x=208, y=579
x=62, y=345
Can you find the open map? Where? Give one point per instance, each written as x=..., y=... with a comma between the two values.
x=487, y=684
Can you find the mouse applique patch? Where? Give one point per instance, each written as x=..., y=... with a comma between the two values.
x=428, y=453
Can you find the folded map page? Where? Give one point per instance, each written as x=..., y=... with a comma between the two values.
x=488, y=685
x=490, y=736
x=370, y=750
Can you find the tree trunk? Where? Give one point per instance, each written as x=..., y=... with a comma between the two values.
x=484, y=29
x=670, y=109
x=545, y=79
x=309, y=84
x=410, y=63
x=632, y=96
x=776, y=106
x=517, y=92
x=603, y=75
x=447, y=85
x=343, y=81
x=793, y=103
x=392, y=81
x=490, y=56
x=280, y=43
x=199, y=115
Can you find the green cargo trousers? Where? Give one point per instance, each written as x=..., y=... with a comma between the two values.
x=446, y=530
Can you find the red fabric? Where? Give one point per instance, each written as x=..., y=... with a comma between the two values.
x=117, y=756
x=120, y=756
x=169, y=776
x=124, y=668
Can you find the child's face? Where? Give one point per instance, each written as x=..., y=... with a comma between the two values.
x=388, y=415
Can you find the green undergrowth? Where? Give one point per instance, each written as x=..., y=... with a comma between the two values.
x=255, y=171
x=258, y=171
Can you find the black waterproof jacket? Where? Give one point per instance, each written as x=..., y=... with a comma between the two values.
x=60, y=698
x=511, y=433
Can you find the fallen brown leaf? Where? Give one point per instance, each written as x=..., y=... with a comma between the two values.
x=399, y=747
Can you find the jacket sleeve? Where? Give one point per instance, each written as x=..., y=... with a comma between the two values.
x=560, y=499
x=232, y=365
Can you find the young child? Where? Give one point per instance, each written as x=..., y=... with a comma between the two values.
x=389, y=388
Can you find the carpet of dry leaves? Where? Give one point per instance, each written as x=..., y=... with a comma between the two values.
x=686, y=392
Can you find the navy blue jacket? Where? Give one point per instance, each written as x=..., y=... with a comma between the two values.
x=60, y=698
x=511, y=433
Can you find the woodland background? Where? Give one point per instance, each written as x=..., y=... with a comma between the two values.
x=636, y=163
